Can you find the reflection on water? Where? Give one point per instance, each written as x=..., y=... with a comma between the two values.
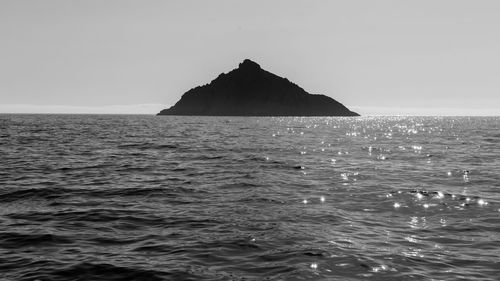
x=227, y=198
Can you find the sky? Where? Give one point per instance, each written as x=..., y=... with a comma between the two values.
x=425, y=57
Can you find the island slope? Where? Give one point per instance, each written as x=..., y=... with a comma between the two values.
x=251, y=91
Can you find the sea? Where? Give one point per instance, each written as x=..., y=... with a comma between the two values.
x=138, y=197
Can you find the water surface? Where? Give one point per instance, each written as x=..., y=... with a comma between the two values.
x=103, y=197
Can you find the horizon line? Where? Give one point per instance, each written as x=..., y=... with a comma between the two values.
x=154, y=108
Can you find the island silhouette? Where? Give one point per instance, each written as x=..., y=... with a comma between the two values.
x=250, y=90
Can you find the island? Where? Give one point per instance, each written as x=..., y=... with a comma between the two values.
x=250, y=90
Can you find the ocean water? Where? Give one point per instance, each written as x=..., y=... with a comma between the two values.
x=103, y=197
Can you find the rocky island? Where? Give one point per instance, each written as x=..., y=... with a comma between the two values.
x=250, y=90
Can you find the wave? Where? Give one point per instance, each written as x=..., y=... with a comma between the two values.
x=14, y=240
x=107, y=272
x=148, y=146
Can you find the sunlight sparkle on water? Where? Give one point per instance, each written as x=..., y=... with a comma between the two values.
x=439, y=195
x=481, y=202
x=379, y=268
x=411, y=239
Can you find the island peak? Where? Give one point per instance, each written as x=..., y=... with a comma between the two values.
x=249, y=64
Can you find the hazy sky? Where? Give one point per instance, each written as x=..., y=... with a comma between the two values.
x=429, y=57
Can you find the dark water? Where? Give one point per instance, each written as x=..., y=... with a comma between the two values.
x=89, y=197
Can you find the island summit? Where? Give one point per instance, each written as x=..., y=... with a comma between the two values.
x=252, y=91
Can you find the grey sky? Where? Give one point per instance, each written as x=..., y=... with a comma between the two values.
x=378, y=56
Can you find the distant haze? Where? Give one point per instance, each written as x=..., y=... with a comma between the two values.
x=376, y=57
